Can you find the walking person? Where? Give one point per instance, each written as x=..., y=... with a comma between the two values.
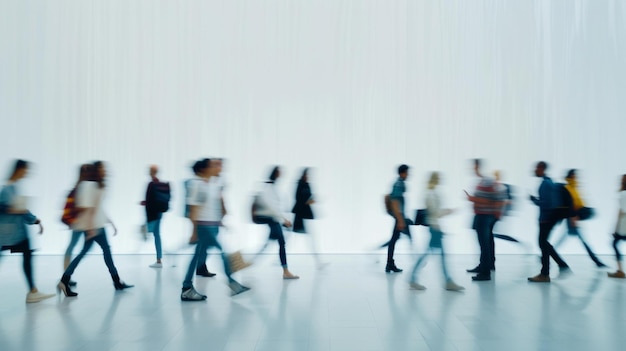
x=14, y=216
x=548, y=201
x=206, y=213
x=433, y=213
x=581, y=213
x=156, y=202
x=266, y=210
x=302, y=210
x=620, y=230
x=201, y=270
x=488, y=199
x=401, y=224
x=92, y=221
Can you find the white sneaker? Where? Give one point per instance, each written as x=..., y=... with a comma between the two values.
x=237, y=288
x=192, y=295
x=452, y=286
x=32, y=297
x=416, y=286
x=156, y=265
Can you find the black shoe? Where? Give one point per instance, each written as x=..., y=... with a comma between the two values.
x=481, y=277
x=121, y=285
x=65, y=288
x=601, y=265
x=473, y=270
x=205, y=274
x=392, y=268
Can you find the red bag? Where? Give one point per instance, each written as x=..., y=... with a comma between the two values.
x=70, y=211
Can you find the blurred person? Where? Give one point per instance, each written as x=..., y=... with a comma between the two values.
x=206, y=213
x=156, y=202
x=84, y=173
x=202, y=269
x=508, y=204
x=580, y=213
x=488, y=199
x=548, y=202
x=401, y=224
x=302, y=210
x=620, y=230
x=267, y=210
x=492, y=245
x=433, y=213
x=92, y=221
x=14, y=216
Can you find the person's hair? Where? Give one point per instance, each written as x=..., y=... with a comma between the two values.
x=95, y=175
x=274, y=174
x=570, y=174
x=85, y=172
x=201, y=165
x=623, y=182
x=19, y=165
x=478, y=162
x=305, y=172
x=433, y=180
x=542, y=165
x=403, y=169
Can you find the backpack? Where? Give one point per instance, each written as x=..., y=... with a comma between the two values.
x=420, y=217
x=161, y=196
x=70, y=211
x=563, y=206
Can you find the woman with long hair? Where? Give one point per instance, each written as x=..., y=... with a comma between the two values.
x=14, y=215
x=92, y=221
x=267, y=211
x=302, y=210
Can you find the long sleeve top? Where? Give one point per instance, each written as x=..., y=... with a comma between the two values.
x=268, y=203
x=546, y=200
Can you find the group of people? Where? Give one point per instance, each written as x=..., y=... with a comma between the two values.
x=205, y=208
x=491, y=198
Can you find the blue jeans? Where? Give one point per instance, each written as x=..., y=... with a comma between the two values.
x=276, y=233
x=73, y=241
x=154, y=227
x=435, y=243
x=101, y=239
x=207, y=237
x=483, y=224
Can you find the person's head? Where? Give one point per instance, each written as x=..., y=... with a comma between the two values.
x=203, y=168
x=305, y=175
x=275, y=174
x=215, y=166
x=497, y=176
x=99, y=173
x=20, y=169
x=154, y=170
x=86, y=172
x=433, y=180
x=477, y=164
x=623, y=183
x=571, y=175
x=403, y=171
x=196, y=168
x=541, y=168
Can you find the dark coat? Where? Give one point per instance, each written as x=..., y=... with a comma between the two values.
x=301, y=209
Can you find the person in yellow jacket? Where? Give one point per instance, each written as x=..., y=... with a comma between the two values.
x=582, y=213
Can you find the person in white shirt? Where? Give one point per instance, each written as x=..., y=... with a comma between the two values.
x=15, y=215
x=433, y=213
x=267, y=211
x=92, y=221
x=620, y=230
x=206, y=212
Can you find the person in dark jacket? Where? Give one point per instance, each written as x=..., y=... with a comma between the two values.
x=155, y=206
x=302, y=210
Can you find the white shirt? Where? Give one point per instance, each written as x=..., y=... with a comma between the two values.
x=89, y=195
x=268, y=203
x=621, y=225
x=433, y=208
x=207, y=195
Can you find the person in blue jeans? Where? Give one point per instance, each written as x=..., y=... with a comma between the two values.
x=84, y=172
x=433, y=213
x=206, y=214
x=154, y=213
x=401, y=224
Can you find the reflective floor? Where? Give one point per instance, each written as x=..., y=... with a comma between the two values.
x=350, y=305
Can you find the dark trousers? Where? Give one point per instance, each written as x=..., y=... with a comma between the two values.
x=24, y=247
x=617, y=239
x=483, y=224
x=547, y=250
x=100, y=239
x=395, y=235
x=276, y=233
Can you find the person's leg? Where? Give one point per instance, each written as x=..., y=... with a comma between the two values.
x=201, y=246
x=618, y=257
x=74, y=263
x=576, y=231
x=155, y=228
x=391, y=265
x=70, y=247
x=559, y=261
x=418, y=264
x=27, y=266
x=483, y=227
x=492, y=245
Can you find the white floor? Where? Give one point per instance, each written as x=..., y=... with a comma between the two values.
x=350, y=305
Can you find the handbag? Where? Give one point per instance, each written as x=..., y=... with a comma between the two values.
x=236, y=262
x=420, y=217
x=12, y=230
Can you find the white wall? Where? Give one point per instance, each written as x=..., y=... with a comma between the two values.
x=353, y=88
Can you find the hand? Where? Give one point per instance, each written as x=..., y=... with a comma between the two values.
x=469, y=197
x=401, y=225
x=40, y=228
x=310, y=202
x=533, y=198
x=287, y=224
x=114, y=230
x=143, y=203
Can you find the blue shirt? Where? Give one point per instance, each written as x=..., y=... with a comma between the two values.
x=545, y=201
x=397, y=193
